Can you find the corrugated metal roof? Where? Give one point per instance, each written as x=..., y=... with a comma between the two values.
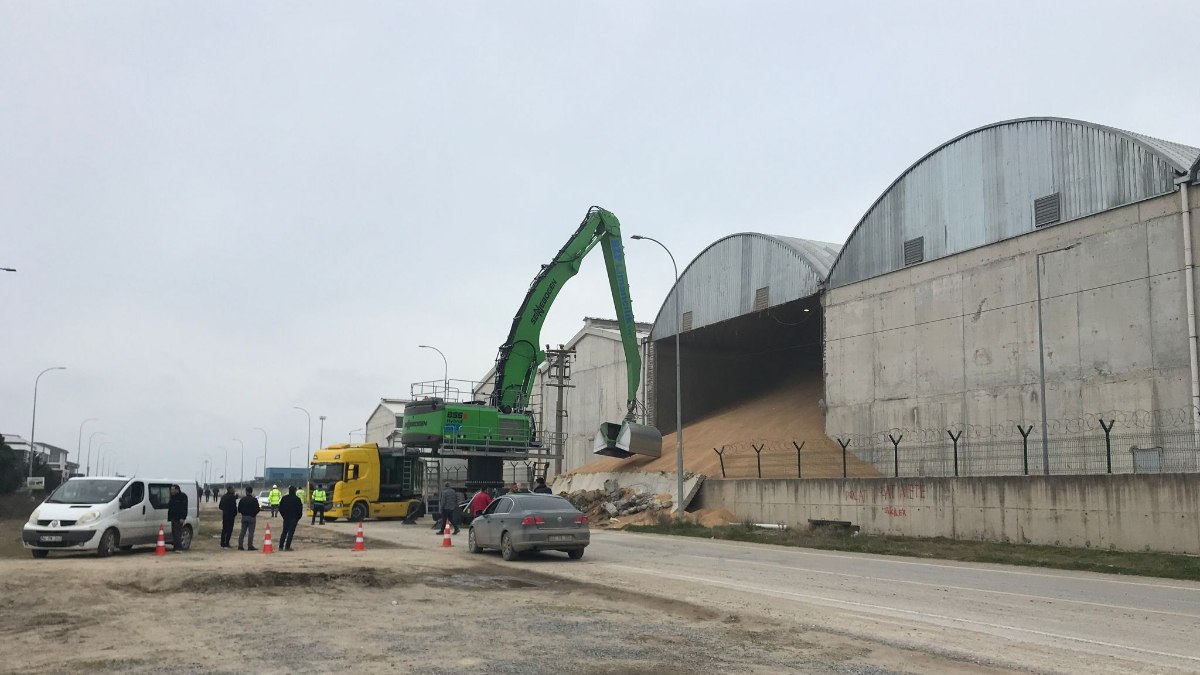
x=980, y=187
x=722, y=282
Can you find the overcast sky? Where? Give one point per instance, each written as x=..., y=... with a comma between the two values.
x=219, y=211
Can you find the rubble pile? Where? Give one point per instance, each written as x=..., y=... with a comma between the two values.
x=614, y=502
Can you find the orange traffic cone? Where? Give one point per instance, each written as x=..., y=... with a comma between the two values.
x=446, y=536
x=161, y=547
x=267, y=548
x=359, y=545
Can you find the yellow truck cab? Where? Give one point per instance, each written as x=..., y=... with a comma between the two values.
x=365, y=481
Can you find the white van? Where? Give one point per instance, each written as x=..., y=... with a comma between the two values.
x=104, y=514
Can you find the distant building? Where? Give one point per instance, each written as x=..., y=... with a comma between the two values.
x=385, y=420
x=54, y=456
x=286, y=475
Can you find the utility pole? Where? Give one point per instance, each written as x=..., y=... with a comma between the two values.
x=559, y=361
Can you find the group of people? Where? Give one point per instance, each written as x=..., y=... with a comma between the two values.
x=448, y=502
x=289, y=506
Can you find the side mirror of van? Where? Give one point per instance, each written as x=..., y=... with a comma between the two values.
x=124, y=502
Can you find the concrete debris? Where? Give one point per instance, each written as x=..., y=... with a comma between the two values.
x=613, y=502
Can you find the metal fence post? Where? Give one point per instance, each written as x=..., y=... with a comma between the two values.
x=798, y=449
x=1108, y=442
x=955, y=439
x=721, y=457
x=758, y=457
x=896, y=452
x=844, y=445
x=1025, y=446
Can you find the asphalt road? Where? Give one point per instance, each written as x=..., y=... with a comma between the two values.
x=990, y=615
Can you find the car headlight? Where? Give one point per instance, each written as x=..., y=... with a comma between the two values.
x=87, y=517
x=34, y=516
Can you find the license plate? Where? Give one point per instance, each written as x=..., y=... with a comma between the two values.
x=561, y=537
x=51, y=537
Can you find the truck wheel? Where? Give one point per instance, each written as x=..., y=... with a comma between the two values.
x=40, y=552
x=506, y=548
x=108, y=543
x=359, y=512
x=471, y=545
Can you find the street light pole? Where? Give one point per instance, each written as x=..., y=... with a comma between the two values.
x=321, y=439
x=445, y=371
x=678, y=386
x=242, y=462
x=309, y=441
x=88, y=470
x=264, y=432
x=79, y=442
x=33, y=425
x=100, y=455
x=291, y=462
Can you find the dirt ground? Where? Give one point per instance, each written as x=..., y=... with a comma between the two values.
x=397, y=609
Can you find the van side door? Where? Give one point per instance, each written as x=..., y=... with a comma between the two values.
x=159, y=498
x=131, y=515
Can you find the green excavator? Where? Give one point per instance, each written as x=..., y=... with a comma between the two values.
x=505, y=422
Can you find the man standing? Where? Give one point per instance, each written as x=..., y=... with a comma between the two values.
x=479, y=502
x=449, y=504
x=292, y=510
x=249, y=509
x=273, y=499
x=318, y=505
x=541, y=487
x=229, y=511
x=177, y=513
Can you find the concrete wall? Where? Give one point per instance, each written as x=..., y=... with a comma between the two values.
x=1124, y=512
x=955, y=340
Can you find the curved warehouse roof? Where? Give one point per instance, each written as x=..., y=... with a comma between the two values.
x=727, y=279
x=981, y=187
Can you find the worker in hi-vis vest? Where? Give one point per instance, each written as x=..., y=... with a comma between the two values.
x=318, y=505
x=273, y=498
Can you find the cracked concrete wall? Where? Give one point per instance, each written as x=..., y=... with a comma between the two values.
x=955, y=340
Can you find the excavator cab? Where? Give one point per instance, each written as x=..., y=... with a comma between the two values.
x=625, y=440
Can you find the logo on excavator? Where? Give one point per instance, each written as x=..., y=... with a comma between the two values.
x=539, y=310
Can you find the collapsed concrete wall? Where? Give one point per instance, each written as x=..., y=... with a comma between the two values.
x=1123, y=512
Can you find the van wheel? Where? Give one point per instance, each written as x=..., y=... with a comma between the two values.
x=108, y=543
x=185, y=539
x=359, y=512
x=40, y=552
x=506, y=548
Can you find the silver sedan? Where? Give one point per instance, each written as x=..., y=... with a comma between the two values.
x=515, y=523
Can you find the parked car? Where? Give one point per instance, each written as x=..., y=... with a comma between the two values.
x=264, y=500
x=104, y=514
x=515, y=523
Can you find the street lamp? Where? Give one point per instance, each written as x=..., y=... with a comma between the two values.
x=357, y=431
x=33, y=425
x=264, y=450
x=99, y=455
x=88, y=470
x=309, y=441
x=445, y=370
x=79, y=442
x=321, y=438
x=242, y=463
x=678, y=377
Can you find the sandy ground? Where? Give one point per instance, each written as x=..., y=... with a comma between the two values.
x=394, y=608
x=770, y=421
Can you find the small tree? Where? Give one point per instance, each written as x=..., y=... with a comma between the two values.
x=52, y=475
x=11, y=474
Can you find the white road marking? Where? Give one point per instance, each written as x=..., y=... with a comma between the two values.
x=947, y=586
x=872, y=557
x=882, y=608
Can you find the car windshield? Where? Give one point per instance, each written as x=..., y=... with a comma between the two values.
x=264, y=494
x=326, y=473
x=547, y=503
x=87, y=491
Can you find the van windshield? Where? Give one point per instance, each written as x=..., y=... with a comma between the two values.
x=87, y=491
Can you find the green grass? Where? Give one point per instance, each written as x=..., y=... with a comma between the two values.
x=1164, y=565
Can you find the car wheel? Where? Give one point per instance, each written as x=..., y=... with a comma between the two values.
x=359, y=512
x=506, y=547
x=471, y=545
x=108, y=544
x=40, y=552
x=185, y=539
x=575, y=553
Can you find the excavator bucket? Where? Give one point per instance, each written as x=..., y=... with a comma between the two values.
x=625, y=440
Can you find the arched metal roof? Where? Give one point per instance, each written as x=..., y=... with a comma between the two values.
x=723, y=281
x=979, y=187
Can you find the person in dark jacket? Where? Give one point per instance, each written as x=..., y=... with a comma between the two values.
x=449, y=504
x=229, y=511
x=177, y=510
x=249, y=508
x=292, y=510
x=541, y=487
